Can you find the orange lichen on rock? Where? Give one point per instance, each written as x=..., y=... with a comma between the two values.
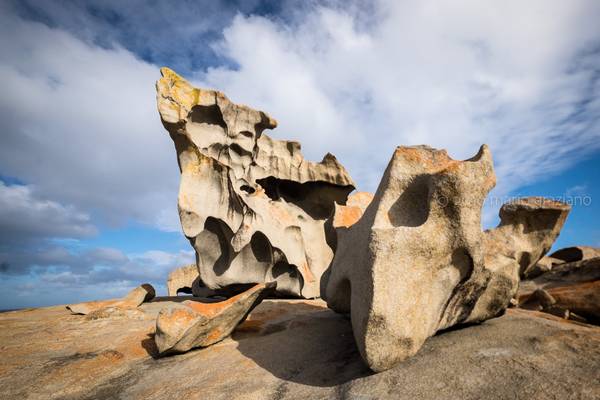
x=193, y=324
x=348, y=215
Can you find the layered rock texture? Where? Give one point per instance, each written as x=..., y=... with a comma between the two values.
x=195, y=324
x=417, y=261
x=570, y=290
x=253, y=208
x=133, y=299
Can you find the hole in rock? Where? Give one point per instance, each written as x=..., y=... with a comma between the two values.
x=315, y=198
x=411, y=209
x=184, y=290
x=261, y=247
x=213, y=245
x=207, y=115
x=237, y=149
x=463, y=261
x=247, y=189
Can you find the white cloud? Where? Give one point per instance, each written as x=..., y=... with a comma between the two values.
x=58, y=275
x=520, y=76
x=80, y=123
x=24, y=217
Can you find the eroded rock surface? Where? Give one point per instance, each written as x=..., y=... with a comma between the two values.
x=417, y=261
x=253, y=208
x=293, y=349
x=413, y=264
x=528, y=228
x=137, y=296
x=195, y=324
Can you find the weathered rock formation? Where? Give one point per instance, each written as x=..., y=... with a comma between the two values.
x=409, y=261
x=528, y=228
x=417, y=261
x=184, y=279
x=569, y=290
x=347, y=215
x=195, y=324
x=137, y=296
x=252, y=207
x=576, y=253
x=562, y=256
x=579, y=302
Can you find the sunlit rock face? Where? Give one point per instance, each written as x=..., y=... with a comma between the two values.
x=417, y=261
x=252, y=207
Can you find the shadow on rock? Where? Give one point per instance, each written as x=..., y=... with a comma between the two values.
x=150, y=346
x=301, y=343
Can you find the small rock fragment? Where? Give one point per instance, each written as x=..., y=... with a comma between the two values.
x=137, y=296
x=539, y=300
x=194, y=324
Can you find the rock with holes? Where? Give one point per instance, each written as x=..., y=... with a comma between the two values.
x=137, y=296
x=528, y=228
x=252, y=207
x=184, y=279
x=416, y=262
x=193, y=324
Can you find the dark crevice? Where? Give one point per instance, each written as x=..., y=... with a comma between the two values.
x=412, y=207
x=317, y=199
x=207, y=115
x=248, y=189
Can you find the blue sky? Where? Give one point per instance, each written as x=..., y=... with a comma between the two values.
x=89, y=177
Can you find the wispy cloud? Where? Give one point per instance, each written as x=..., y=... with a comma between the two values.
x=576, y=190
x=522, y=77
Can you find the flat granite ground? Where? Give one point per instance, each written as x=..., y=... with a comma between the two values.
x=292, y=349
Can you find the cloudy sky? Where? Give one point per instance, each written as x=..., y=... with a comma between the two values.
x=88, y=176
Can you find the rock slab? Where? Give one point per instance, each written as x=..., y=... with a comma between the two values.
x=137, y=296
x=292, y=349
x=195, y=324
